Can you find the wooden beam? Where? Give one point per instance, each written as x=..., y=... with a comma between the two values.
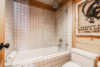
x=41, y=5
x=37, y=4
x=22, y=1
x=63, y=3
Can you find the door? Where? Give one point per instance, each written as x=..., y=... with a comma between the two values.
x=2, y=30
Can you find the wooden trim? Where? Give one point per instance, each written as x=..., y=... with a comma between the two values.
x=74, y=2
x=88, y=36
x=37, y=4
x=2, y=31
x=42, y=5
x=73, y=27
x=96, y=61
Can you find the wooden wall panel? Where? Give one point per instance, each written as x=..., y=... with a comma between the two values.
x=89, y=43
x=2, y=30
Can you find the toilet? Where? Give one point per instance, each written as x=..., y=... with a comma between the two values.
x=98, y=64
x=81, y=58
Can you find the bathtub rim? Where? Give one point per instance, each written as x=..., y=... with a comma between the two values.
x=33, y=60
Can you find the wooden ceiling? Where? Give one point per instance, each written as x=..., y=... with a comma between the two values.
x=42, y=5
x=49, y=2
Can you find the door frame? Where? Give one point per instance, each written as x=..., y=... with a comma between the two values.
x=2, y=31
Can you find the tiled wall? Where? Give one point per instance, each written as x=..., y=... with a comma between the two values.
x=21, y=26
x=42, y=28
x=58, y=61
x=36, y=28
x=9, y=25
x=33, y=27
x=64, y=25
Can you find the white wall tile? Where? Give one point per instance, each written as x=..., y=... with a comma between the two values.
x=64, y=25
x=9, y=26
x=33, y=26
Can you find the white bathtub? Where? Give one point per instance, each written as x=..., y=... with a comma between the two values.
x=31, y=56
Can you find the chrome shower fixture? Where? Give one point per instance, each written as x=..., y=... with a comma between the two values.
x=55, y=4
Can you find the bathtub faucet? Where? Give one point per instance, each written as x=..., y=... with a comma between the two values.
x=66, y=45
x=59, y=45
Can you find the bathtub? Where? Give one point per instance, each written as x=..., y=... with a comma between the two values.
x=29, y=57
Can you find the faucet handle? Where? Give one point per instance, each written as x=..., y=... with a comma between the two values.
x=59, y=44
x=66, y=45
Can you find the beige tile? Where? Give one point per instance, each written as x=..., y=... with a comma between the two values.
x=33, y=28
x=9, y=25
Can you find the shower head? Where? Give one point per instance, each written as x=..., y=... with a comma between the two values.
x=55, y=4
